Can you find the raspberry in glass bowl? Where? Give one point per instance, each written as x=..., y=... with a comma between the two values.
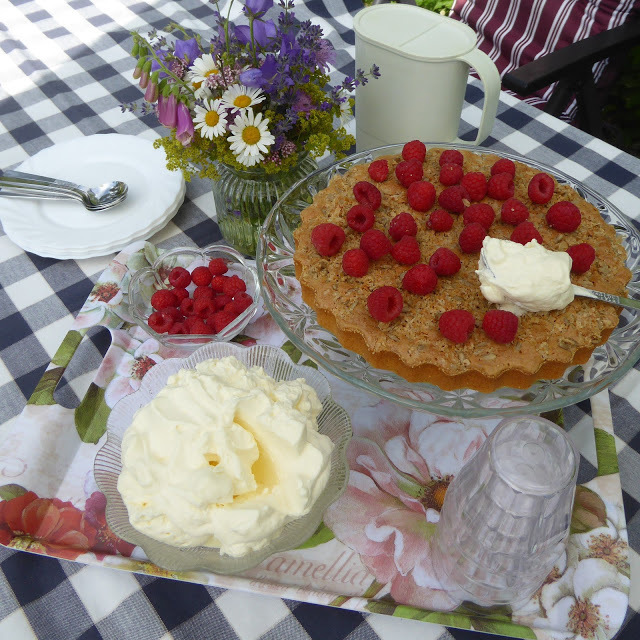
x=189, y=296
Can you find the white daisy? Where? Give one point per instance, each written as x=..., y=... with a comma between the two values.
x=240, y=98
x=211, y=119
x=250, y=138
x=199, y=71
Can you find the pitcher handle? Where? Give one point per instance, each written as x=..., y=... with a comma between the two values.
x=490, y=78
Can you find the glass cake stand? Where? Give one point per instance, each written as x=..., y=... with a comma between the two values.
x=282, y=296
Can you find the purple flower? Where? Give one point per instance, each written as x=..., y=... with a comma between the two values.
x=187, y=50
x=257, y=8
x=184, y=131
x=326, y=54
x=302, y=102
x=167, y=111
x=262, y=32
x=252, y=78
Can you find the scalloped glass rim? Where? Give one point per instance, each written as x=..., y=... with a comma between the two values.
x=139, y=304
x=332, y=421
x=281, y=293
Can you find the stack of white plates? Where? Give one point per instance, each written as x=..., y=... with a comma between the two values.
x=64, y=228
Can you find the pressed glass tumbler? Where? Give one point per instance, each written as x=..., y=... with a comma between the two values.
x=506, y=515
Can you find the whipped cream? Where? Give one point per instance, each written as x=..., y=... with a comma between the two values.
x=524, y=278
x=224, y=456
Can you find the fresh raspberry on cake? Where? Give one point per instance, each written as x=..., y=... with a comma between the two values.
x=500, y=326
x=471, y=237
x=480, y=212
x=421, y=279
x=367, y=193
x=403, y=225
x=409, y=171
x=476, y=185
x=453, y=199
x=181, y=293
x=513, y=212
x=504, y=165
x=163, y=298
x=327, y=238
x=451, y=156
x=541, y=188
x=457, y=325
x=421, y=195
x=379, y=170
x=582, y=257
x=385, y=303
x=440, y=220
x=414, y=150
x=525, y=232
x=375, y=244
x=218, y=266
x=450, y=174
x=406, y=250
x=361, y=217
x=233, y=285
x=201, y=276
x=355, y=262
x=500, y=186
x=160, y=321
x=179, y=277
x=564, y=216
x=203, y=292
x=445, y=262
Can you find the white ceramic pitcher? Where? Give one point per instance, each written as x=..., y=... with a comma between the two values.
x=424, y=59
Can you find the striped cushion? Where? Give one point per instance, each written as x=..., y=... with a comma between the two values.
x=514, y=32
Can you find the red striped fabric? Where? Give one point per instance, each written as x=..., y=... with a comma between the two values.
x=514, y=32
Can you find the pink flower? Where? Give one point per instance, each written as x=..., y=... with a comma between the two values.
x=401, y=464
x=184, y=132
x=167, y=111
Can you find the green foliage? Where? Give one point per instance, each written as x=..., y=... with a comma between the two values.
x=439, y=6
x=621, y=112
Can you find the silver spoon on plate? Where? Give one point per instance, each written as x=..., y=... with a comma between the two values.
x=16, y=184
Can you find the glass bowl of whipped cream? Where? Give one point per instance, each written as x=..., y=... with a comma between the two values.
x=223, y=458
x=215, y=292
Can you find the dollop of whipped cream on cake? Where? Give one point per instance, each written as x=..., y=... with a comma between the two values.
x=524, y=278
x=224, y=456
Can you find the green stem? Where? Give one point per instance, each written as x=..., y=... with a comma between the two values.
x=168, y=71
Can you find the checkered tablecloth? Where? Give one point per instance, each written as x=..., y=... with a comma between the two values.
x=64, y=71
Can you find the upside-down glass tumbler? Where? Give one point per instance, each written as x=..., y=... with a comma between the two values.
x=506, y=515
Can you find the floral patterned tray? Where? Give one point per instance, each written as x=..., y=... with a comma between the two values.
x=372, y=551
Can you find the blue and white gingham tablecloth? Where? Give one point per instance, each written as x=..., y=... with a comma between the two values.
x=64, y=70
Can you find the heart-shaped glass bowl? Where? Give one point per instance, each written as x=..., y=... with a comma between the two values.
x=145, y=282
x=333, y=422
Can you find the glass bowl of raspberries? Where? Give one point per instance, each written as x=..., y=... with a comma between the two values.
x=189, y=296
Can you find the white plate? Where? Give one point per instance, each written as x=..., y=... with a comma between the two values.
x=65, y=229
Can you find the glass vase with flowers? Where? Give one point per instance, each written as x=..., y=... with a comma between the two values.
x=250, y=107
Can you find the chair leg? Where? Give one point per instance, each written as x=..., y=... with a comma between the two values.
x=588, y=116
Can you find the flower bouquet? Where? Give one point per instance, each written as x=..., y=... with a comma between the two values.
x=250, y=107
